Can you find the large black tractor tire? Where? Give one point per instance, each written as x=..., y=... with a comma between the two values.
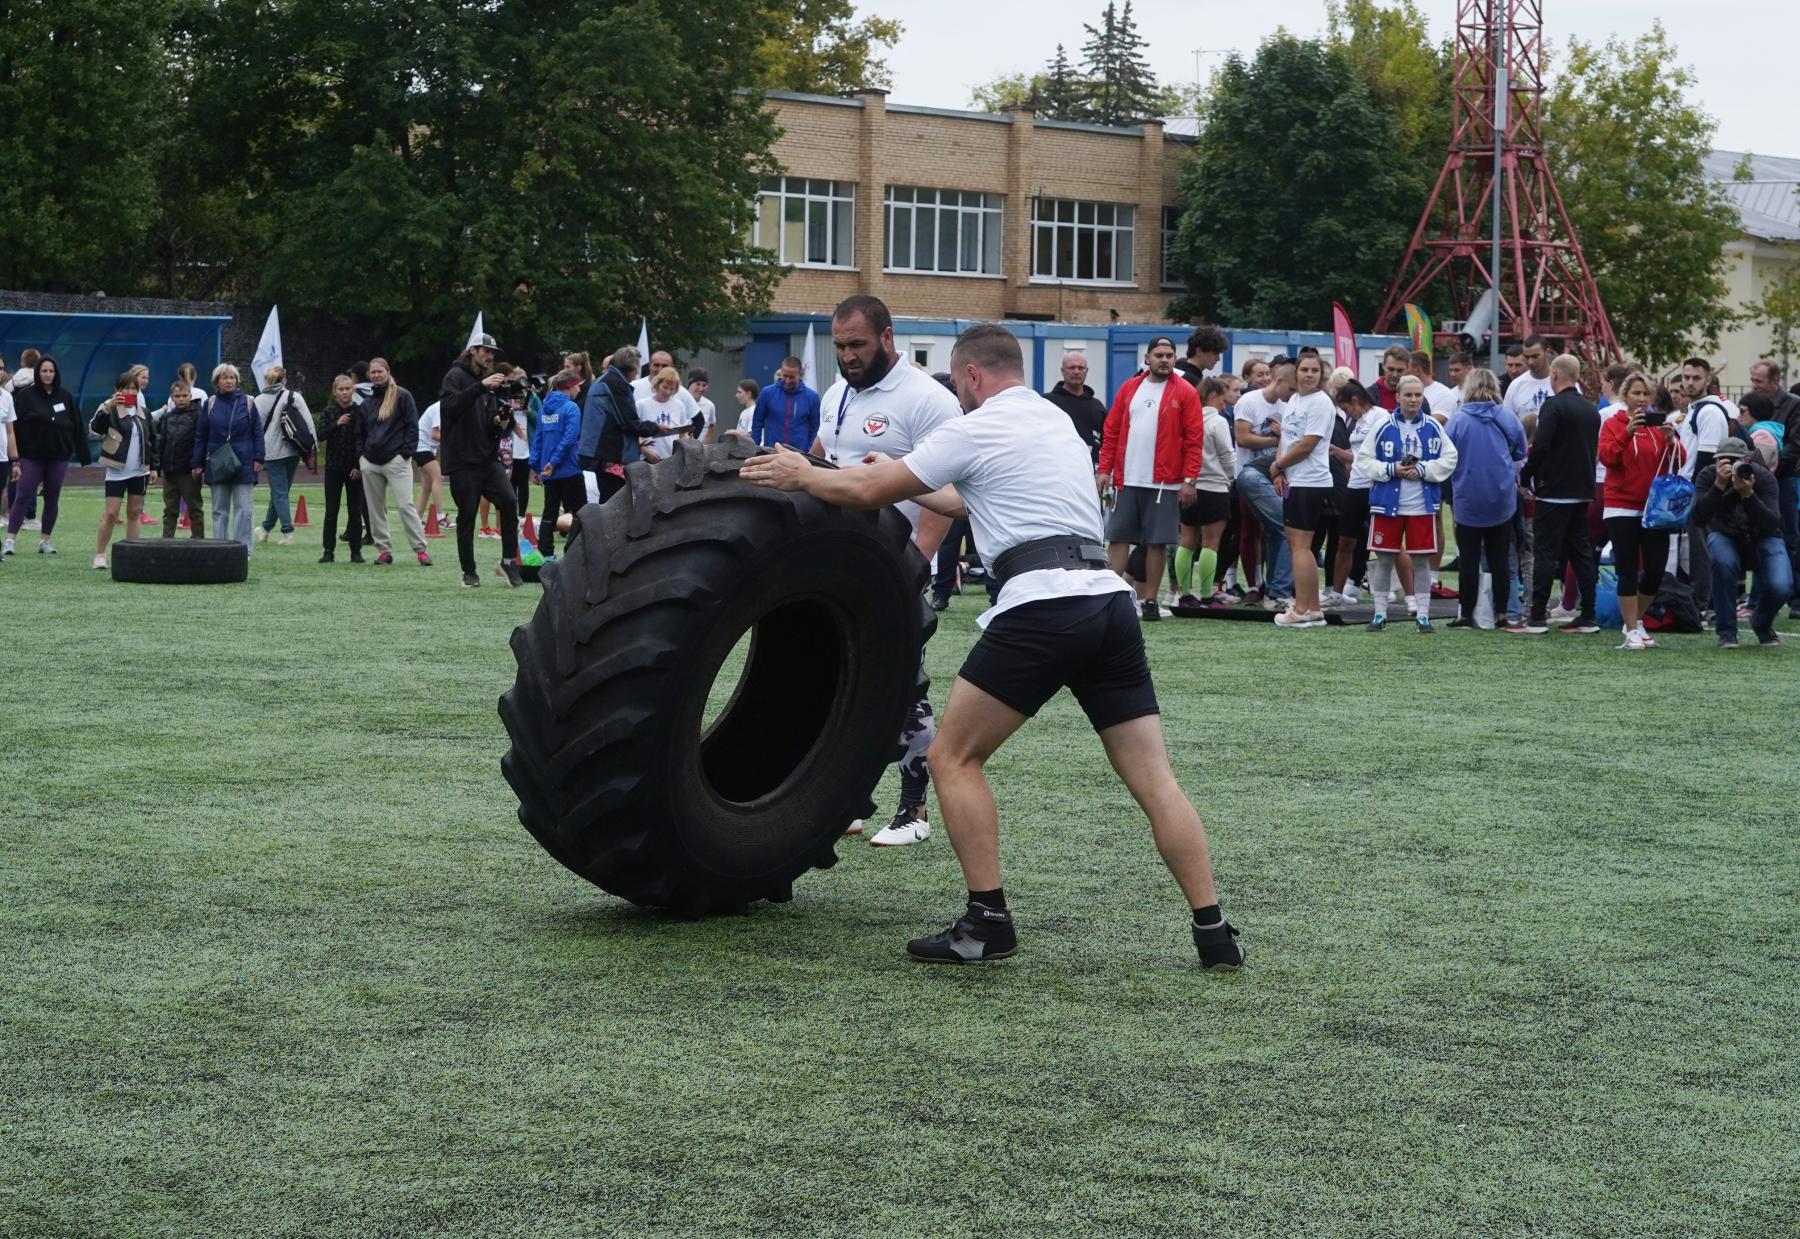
x=614, y=774
x=180, y=561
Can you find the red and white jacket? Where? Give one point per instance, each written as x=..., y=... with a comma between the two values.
x=1180, y=432
x=1633, y=460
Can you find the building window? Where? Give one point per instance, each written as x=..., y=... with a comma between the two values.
x=1171, y=221
x=807, y=223
x=943, y=230
x=1088, y=242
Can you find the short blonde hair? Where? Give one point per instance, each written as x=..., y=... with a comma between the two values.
x=666, y=377
x=224, y=368
x=1480, y=386
x=275, y=374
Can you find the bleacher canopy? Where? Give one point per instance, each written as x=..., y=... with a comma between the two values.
x=91, y=349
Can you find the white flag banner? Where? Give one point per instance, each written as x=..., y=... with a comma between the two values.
x=809, y=368
x=476, y=332
x=643, y=344
x=268, y=350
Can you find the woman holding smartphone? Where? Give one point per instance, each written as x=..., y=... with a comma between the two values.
x=128, y=450
x=1636, y=444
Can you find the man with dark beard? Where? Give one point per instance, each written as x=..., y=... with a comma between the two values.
x=884, y=407
x=474, y=421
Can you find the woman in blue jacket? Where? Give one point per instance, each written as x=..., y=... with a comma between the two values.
x=554, y=456
x=230, y=418
x=1490, y=443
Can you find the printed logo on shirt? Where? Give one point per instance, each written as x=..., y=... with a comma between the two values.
x=875, y=425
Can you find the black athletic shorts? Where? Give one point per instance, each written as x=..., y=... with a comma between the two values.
x=1211, y=507
x=1092, y=644
x=127, y=486
x=1353, y=513
x=1307, y=507
x=422, y=459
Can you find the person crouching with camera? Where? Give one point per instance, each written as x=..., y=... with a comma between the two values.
x=1736, y=503
x=477, y=412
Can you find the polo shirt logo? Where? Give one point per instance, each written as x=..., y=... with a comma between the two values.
x=875, y=425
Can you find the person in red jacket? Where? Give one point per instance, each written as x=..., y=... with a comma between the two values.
x=1636, y=444
x=1150, y=453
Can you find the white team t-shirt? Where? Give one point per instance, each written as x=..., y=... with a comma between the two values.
x=1442, y=400
x=429, y=421
x=1260, y=413
x=1526, y=394
x=1140, y=445
x=891, y=417
x=709, y=411
x=1308, y=415
x=640, y=387
x=747, y=419
x=1023, y=474
x=1412, y=493
x=664, y=413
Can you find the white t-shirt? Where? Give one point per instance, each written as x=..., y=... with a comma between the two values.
x=709, y=411
x=664, y=413
x=7, y=417
x=1412, y=494
x=134, y=459
x=1711, y=422
x=521, y=446
x=747, y=419
x=1024, y=474
x=1140, y=445
x=1309, y=415
x=640, y=387
x=1359, y=430
x=1442, y=400
x=429, y=421
x=892, y=417
x=1260, y=414
x=1525, y=394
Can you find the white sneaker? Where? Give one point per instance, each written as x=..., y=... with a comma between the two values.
x=8, y=547
x=1351, y=595
x=34, y=524
x=100, y=562
x=287, y=539
x=1562, y=615
x=1300, y=619
x=903, y=830
x=262, y=535
x=856, y=827
x=1632, y=642
x=44, y=547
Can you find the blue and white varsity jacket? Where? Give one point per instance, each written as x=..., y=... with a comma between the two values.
x=1378, y=459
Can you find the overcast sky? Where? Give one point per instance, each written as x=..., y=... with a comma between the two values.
x=1747, y=52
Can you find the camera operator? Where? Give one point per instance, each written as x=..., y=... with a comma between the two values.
x=1736, y=503
x=478, y=403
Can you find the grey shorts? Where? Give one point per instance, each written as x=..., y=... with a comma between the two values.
x=1144, y=514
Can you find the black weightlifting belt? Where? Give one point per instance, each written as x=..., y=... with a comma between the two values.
x=1069, y=554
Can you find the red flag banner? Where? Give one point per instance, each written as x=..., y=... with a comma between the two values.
x=1343, y=338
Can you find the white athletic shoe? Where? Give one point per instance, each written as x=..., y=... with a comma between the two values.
x=905, y=829
x=1300, y=619
x=1632, y=642
x=287, y=539
x=34, y=524
x=1562, y=615
x=262, y=535
x=100, y=563
x=44, y=547
x=856, y=827
x=8, y=547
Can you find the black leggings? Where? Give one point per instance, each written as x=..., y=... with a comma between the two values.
x=469, y=487
x=560, y=495
x=1639, y=555
x=521, y=485
x=1471, y=542
x=339, y=485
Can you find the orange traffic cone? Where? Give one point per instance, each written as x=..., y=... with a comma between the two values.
x=432, y=528
x=300, y=514
x=528, y=530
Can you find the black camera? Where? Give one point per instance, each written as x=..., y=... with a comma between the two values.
x=1744, y=471
x=1655, y=417
x=513, y=389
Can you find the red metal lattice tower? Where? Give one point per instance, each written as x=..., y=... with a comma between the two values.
x=1545, y=286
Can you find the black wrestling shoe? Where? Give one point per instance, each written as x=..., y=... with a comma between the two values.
x=981, y=935
x=1218, y=951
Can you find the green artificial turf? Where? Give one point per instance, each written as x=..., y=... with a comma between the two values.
x=279, y=960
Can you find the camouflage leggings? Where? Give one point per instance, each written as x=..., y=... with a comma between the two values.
x=914, y=777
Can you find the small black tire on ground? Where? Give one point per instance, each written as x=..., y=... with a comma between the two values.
x=614, y=774
x=180, y=561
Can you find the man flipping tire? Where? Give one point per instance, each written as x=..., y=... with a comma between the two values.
x=884, y=407
x=1016, y=468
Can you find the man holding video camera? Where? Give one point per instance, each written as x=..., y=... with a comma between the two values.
x=1735, y=502
x=477, y=410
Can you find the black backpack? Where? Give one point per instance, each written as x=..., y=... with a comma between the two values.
x=294, y=428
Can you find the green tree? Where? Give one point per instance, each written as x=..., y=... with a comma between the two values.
x=1778, y=308
x=79, y=96
x=1009, y=90
x=1290, y=196
x=1063, y=94
x=1122, y=87
x=1626, y=146
x=818, y=46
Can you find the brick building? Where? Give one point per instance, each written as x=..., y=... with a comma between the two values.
x=969, y=214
